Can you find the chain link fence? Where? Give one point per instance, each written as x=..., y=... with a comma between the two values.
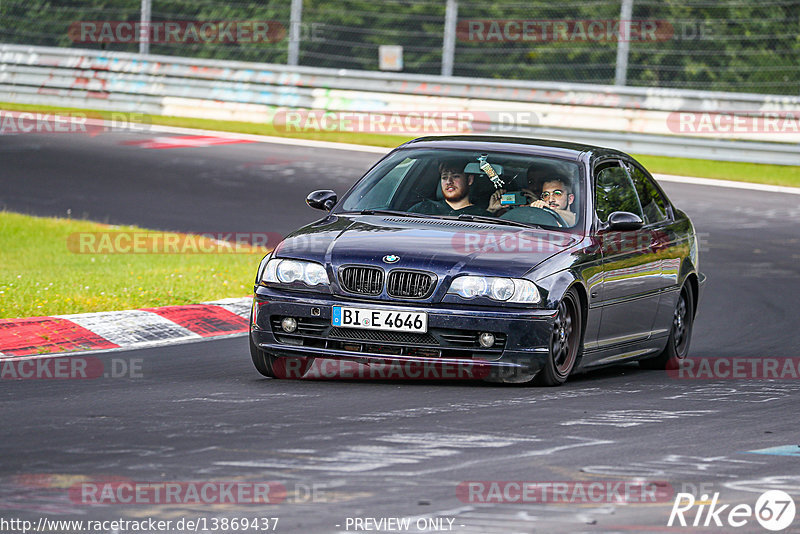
x=725, y=45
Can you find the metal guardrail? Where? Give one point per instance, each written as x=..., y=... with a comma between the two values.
x=632, y=119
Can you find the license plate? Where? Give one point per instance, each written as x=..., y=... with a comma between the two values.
x=395, y=321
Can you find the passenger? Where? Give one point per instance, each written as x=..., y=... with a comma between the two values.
x=557, y=195
x=455, y=193
x=536, y=176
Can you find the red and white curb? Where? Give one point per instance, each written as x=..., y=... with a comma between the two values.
x=123, y=329
x=186, y=141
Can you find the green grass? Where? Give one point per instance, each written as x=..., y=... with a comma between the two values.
x=40, y=274
x=724, y=170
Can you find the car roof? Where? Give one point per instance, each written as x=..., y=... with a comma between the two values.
x=522, y=145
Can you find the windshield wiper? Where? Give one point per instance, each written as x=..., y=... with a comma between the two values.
x=393, y=212
x=462, y=217
x=495, y=220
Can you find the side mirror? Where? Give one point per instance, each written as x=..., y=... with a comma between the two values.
x=324, y=199
x=624, y=220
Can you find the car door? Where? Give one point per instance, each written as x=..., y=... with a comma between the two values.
x=631, y=272
x=667, y=242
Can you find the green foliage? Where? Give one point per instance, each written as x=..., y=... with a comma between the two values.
x=726, y=45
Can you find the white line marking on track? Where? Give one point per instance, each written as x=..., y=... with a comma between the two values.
x=628, y=418
x=395, y=450
x=727, y=183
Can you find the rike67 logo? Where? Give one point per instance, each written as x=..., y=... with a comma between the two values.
x=774, y=510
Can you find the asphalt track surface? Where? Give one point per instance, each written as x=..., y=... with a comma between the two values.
x=386, y=449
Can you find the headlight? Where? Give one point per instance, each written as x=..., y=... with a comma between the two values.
x=525, y=291
x=314, y=274
x=501, y=288
x=290, y=271
x=469, y=287
x=495, y=288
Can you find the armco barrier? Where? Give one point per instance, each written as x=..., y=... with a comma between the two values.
x=633, y=119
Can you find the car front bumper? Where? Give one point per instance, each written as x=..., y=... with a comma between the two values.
x=522, y=335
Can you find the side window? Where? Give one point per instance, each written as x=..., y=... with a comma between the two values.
x=653, y=203
x=614, y=191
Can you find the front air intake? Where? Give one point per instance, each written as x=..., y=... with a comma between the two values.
x=410, y=284
x=362, y=280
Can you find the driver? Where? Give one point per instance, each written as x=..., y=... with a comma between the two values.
x=455, y=192
x=557, y=195
x=536, y=176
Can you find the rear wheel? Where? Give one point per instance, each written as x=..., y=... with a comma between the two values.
x=679, y=335
x=565, y=343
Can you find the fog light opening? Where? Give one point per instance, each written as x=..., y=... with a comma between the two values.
x=486, y=340
x=289, y=324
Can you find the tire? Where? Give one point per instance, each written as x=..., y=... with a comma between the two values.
x=262, y=360
x=566, y=342
x=281, y=367
x=680, y=335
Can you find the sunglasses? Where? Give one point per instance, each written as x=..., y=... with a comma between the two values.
x=558, y=193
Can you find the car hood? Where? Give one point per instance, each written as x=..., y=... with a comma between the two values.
x=445, y=247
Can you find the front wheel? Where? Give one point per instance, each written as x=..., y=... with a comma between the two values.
x=285, y=367
x=679, y=335
x=261, y=360
x=565, y=343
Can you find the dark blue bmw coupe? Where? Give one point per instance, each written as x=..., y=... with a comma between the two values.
x=527, y=259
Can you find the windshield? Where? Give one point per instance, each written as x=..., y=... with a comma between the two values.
x=530, y=190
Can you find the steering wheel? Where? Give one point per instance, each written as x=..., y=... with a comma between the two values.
x=526, y=215
x=559, y=219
